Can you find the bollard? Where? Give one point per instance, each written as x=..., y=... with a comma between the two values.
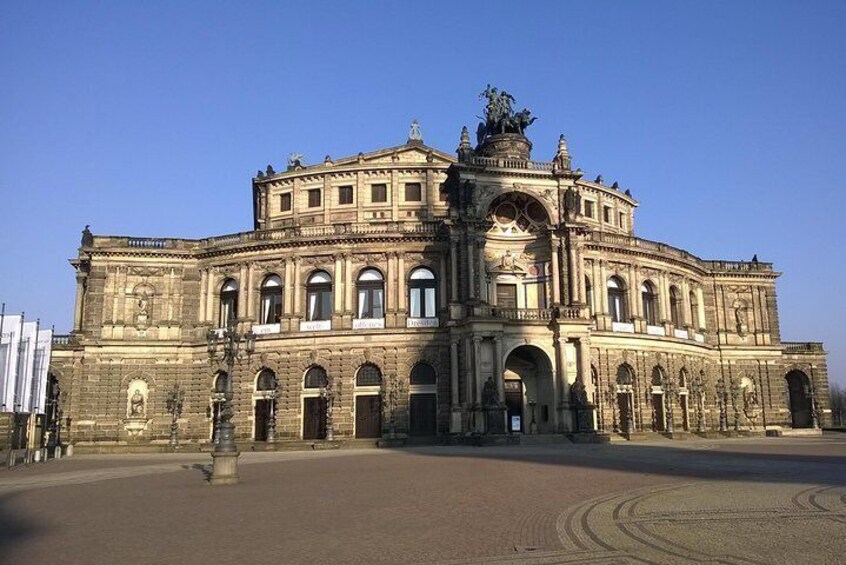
x=36, y=456
x=69, y=451
x=57, y=452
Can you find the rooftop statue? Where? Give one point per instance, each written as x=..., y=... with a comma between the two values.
x=500, y=117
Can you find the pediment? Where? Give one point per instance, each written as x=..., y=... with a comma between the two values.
x=413, y=154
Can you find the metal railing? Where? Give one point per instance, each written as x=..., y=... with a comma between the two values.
x=511, y=163
x=521, y=314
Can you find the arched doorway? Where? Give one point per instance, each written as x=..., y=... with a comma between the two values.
x=368, y=402
x=799, y=395
x=529, y=391
x=315, y=405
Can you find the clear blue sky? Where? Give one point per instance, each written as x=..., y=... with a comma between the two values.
x=725, y=119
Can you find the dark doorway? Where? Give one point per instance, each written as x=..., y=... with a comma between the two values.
x=658, y=412
x=423, y=413
x=262, y=418
x=623, y=407
x=314, y=418
x=799, y=391
x=506, y=295
x=514, y=405
x=368, y=416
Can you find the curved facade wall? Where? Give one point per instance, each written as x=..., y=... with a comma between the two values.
x=406, y=292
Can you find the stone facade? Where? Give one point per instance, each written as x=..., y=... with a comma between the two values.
x=438, y=275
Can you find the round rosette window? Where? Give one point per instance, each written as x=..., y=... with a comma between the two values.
x=516, y=214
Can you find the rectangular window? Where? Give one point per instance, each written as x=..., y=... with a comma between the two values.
x=379, y=193
x=588, y=209
x=345, y=195
x=314, y=198
x=413, y=192
x=606, y=214
x=443, y=193
x=285, y=202
x=622, y=223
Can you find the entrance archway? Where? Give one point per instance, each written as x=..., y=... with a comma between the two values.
x=799, y=393
x=529, y=391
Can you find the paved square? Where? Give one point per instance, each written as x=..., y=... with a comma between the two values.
x=722, y=501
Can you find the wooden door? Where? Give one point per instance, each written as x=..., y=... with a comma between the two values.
x=424, y=413
x=658, y=412
x=314, y=418
x=506, y=295
x=368, y=416
x=262, y=413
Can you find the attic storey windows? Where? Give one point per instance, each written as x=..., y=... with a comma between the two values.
x=285, y=202
x=314, y=198
x=379, y=193
x=588, y=209
x=345, y=195
x=413, y=192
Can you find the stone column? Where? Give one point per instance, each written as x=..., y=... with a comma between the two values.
x=663, y=299
x=554, y=245
x=453, y=266
x=498, y=369
x=583, y=348
x=340, y=285
x=579, y=270
x=477, y=374
x=700, y=306
x=243, y=285
x=685, y=306
x=455, y=417
x=635, y=303
x=288, y=295
x=471, y=271
x=443, y=303
x=298, y=301
x=572, y=281
x=480, y=249
x=601, y=288
x=468, y=377
x=390, y=293
x=350, y=304
x=210, y=298
x=401, y=305
x=250, y=312
x=201, y=316
x=79, y=306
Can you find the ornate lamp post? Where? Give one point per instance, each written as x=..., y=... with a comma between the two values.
x=226, y=347
x=271, y=415
x=533, y=425
x=735, y=394
x=53, y=438
x=175, y=399
x=390, y=396
x=671, y=392
x=815, y=417
x=698, y=390
x=611, y=398
x=330, y=393
x=722, y=400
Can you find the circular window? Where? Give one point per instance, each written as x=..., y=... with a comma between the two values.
x=536, y=212
x=506, y=213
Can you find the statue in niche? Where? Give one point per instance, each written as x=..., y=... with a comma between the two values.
x=751, y=406
x=741, y=318
x=136, y=405
x=578, y=393
x=507, y=261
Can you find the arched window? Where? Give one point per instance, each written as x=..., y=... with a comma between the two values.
x=228, y=302
x=657, y=376
x=271, y=300
x=624, y=375
x=423, y=374
x=319, y=296
x=220, y=383
x=421, y=293
x=368, y=375
x=316, y=377
x=266, y=381
x=694, y=311
x=650, y=303
x=371, y=293
x=675, y=307
x=617, y=306
x=589, y=296
x=683, y=378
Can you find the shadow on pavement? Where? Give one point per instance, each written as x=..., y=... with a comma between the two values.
x=725, y=461
x=14, y=527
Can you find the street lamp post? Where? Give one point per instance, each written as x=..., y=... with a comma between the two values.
x=671, y=393
x=330, y=392
x=721, y=401
x=735, y=394
x=175, y=400
x=697, y=395
x=225, y=346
